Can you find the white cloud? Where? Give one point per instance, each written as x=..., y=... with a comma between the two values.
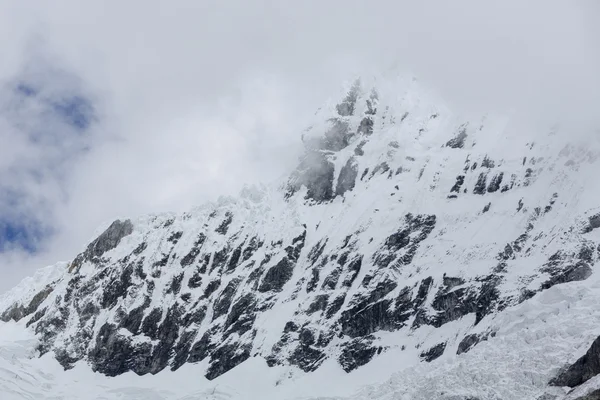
x=195, y=98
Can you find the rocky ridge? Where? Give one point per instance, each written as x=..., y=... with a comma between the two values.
x=404, y=228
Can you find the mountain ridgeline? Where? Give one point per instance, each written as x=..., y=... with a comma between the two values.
x=404, y=228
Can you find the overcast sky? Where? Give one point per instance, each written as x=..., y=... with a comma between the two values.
x=120, y=107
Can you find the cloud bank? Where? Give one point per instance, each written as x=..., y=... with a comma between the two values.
x=118, y=108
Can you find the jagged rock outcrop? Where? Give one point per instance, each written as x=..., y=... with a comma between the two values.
x=581, y=370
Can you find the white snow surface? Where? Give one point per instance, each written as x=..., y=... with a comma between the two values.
x=532, y=341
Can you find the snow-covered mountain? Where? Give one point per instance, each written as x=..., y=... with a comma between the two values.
x=457, y=251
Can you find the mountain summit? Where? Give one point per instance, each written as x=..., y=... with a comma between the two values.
x=407, y=233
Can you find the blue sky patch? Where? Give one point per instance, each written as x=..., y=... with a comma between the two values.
x=76, y=111
x=15, y=234
x=26, y=90
x=50, y=109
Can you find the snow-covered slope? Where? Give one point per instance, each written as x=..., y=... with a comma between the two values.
x=408, y=236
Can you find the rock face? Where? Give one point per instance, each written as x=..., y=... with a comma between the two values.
x=582, y=370
x=376, y=237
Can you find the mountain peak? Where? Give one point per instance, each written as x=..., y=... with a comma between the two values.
x=406, y=229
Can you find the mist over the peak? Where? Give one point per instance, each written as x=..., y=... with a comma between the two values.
x=148, y=106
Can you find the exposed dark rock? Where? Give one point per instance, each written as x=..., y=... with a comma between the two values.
x=224, y=226
x=220, y=259
x=358, y=151
x=110, y=238
x=593, y=395
x=405, y=239
x=469, y=342
x=175, y=285
x=201, y=349
x=452, y=305
x=347, y=177
x=117, y=288
x=290, y=327
x=150, y=323
x=593, y=223
x=254, y=278
x=315, y=253
x=161, y=263
x=140, y=249
x=36, y=317
x=114, y=354
x=174, y=238
x=306, y=337
x=458, y=142
x=186, y=297
x=581, y=370
x=167, y=334
x=487, y=297
x=242, y=315
x=346, y=107
x=381, y=168
x=293, y=251
x=423, y=291
x=495, y=183
x=357, y=353
x=315, y=172
x=357, y=322
x=223, y=301
x=17, y=311
x=488, y=162
x=195, y=280
x=306, y=357
x=182, y=349
x=204, y=264
x=235, y=258
x=107, y=241
x=335, y=306
x=133, y=321
x=458, y=184
x=450, y=282
x=353, y=271
x=507, y=254
x=318, y=304
x=578, y=272
x=366, y=126
x=277, y=276
x=225, y=358
x=314, y=281
x=194, y=316
x=369, y=314
x=253, y=245
x=364, y=173
x=481, y=183
x=331, y=280
x=190, y=258
x=434, y=352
